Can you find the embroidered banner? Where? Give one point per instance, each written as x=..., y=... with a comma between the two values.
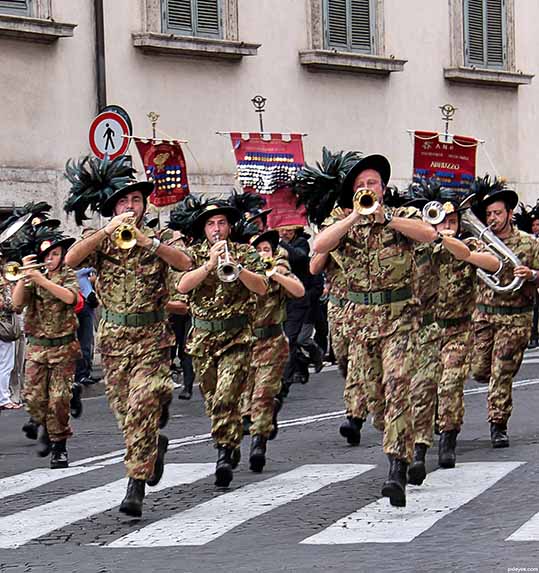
x=452, y=159
x=265, y=165
x=164, y=165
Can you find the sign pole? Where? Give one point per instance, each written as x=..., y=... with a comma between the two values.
x=259, y=103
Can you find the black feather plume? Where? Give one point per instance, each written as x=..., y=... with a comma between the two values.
x=92, y=181
x=319, y=187
x=432, y=190
x=246, y=202
x=395, y=198
x=243, y=231
x=186, y=212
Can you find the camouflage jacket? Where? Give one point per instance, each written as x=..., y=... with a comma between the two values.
x=271, y=308
x=216, y=300
x=526, y=248
x=6, y=302
x=335, y=274
x=46, y=315
x=425, y=277
x=130, y=281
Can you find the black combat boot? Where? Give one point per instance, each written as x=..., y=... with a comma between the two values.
x=257, y=456
x=498, y=435
x=186, y=391
x=44, y=443
x=75, y=404
x=246, y=424
x=134, y=496
x=446, y=449
x=59, y=455
x=277, y=405
x=351, y=430
x=235, y=458
x=395, y=485
x=223, y=468
x=165, y=415
x=159, y=466
x=31, y=428
x=417, y=471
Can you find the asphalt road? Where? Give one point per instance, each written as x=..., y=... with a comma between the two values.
x=317, y=505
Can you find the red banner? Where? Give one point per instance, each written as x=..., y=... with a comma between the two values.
x=164, y=165
x=265, y=164
x=449, y=158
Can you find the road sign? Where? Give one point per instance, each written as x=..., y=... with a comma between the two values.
x=108, y=134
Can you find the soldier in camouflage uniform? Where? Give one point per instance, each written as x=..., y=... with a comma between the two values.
x=270, y=351
x=221, y=338
x=133, y=337
x=378, y=249
x=355, y=399
x=502, y=320
x=50, y=325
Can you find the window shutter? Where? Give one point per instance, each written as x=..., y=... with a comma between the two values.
x=475, y=32
x=178, y=15
x=337, y=27
x=360, y=19
x=495, y=33
x=20, y=7
x=195, y=17
x=207, y=17
x=485, y=32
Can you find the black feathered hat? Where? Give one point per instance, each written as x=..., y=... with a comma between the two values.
x=272, y=237
x=525, y=217
x=428, y=190
x=319, y=187
x=378, y=163
x=485, y=191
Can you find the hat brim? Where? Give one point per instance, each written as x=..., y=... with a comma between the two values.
x=231, y=213
x=272, y=237
x=507, y=195
x=263, y=214
x=378, y=163
x=145, y=187
x=64, y=243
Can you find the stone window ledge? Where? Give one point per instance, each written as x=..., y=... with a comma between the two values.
x=34, y=29
x=349, y=62
x=171, y=45
x=487, y=77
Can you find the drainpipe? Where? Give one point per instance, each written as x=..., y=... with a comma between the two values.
x=100, y=67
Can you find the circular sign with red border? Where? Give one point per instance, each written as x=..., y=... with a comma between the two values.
x=109, y=135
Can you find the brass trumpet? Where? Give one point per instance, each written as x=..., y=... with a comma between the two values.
x=269, y=265
x=433, y=213
x=124, y=236
x=365, y=201
x=14, y=271
x=227, y=270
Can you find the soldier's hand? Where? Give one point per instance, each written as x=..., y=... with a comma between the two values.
x=446, y=233
x=217, y=250
x=115, y=222
x=31, y=274
x=523, y=272
x=379, y=214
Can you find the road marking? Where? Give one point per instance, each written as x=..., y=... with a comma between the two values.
x=20, y=483
x=23, y=526
x=208, y=521
x=443, y=492
x=528, y=532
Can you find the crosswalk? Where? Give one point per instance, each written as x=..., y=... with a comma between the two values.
x=214, y=518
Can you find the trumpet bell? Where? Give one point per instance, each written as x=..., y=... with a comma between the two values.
x=433, y=213
x=365, y=201
x=14, y=271
x=228, y=272
x=124, y=236
x=269, y=265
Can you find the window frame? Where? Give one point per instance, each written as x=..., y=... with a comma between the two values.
x=193, y=31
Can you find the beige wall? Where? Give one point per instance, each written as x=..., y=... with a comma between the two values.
x=48, y=95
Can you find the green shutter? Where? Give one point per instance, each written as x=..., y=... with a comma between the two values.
x=485, y=33
x=349, y=24
x=192, y=17
x=20, y=7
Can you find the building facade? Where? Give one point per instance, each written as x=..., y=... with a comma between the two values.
x=352, y=74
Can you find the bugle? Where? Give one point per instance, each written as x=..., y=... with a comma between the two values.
x=14, y=271
x=365, y=201
x=228, y=271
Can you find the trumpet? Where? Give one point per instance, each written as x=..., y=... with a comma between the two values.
x=227, y=270
x=469, y=222
x=14, y=271
x=433, y=213
x=269, y=265
x=124, y=236
x=365, y=201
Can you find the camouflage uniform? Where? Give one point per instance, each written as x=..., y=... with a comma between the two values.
x=380, y=264
x=51, y=326
x=269, y=356
x=426, y=346
x=502, y=327
x=221, y=350
x=132, y=287
x=454, y=309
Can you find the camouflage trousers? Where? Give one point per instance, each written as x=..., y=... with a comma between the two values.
x=264, y=383
x=426, y=358
x=222, y=380
x=137, y=388
x=337, y=320
x=383, y=365
x=498, y=353
x=455, y=353
x=49, y=376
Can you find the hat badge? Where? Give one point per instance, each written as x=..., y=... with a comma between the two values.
x=45, y=245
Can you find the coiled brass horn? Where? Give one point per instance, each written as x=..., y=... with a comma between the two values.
x=14, y=271
x=365, y=201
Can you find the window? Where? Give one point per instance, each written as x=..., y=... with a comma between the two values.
x=201, y=18
x=485, y=33
x=16, y=7
x=350, y=25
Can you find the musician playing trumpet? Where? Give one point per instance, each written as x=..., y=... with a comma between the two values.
x=221, y=339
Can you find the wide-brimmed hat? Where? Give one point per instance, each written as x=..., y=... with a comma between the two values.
x=231, y=213
x=272, y=237
x=377, y=162
x=256, y=213
x=49, y=244
x=107, y=207
x=508, y=196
